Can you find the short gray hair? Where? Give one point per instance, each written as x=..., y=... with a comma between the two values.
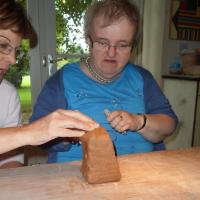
x=112, y=10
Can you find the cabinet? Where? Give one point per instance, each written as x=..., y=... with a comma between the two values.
x=184, y=95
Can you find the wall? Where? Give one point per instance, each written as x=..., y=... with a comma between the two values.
x=153, y=32
x=171, y=48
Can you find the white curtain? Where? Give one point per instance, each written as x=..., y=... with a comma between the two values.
x=136, y=56
x=153, y=36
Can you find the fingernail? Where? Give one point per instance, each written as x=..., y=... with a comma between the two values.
x=106, y=112
x=96, y=125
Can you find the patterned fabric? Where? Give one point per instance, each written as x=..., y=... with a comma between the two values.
x=187, y=20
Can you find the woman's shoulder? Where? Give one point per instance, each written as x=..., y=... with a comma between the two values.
x=71, y=67
x=8, y=87
x=138, y=68
x=56, y=80
x=144, y=73
x=67, y=67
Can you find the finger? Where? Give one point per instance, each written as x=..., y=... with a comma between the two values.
x=66, y=121
x=71, y=133
x=119, y=125
x=114, y=123
x=123, y=128
x=78, y=115
x=113, y=115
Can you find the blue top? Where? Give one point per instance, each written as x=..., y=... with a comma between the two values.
x=135, y=91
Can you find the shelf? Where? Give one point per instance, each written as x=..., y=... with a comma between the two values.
x=182, y=77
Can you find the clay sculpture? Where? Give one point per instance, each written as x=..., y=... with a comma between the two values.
x=99, y=163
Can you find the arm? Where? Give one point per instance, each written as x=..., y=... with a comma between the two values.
x=158, y=127
x=12, y=118
x=161, y=120
x=61, y=123
x=51, y=97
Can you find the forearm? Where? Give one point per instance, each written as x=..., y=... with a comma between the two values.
x=158, y=127
x=11, y=138
x=61, y=123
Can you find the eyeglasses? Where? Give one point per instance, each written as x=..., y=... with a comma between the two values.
x=6, y=47
x=103, y=45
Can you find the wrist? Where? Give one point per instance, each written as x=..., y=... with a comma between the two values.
x=144, y=121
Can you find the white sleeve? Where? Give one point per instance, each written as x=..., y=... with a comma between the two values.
x=11, y=116
x=14, y=117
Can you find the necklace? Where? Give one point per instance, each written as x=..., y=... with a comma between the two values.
x=95, y=74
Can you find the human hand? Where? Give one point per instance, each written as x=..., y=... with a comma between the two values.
x=123, y=121
x=61, y=123
x=11, y=164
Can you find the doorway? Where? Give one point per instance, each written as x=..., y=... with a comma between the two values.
x=59, y=26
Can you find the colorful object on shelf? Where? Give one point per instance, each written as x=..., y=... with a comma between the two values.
x=186, y=20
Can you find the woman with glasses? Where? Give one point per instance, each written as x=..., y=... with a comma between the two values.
x=14, y=26
x=120, y=96
x=10, y=112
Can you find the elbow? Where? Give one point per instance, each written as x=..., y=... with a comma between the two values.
x=167, y=131
x=171, y=128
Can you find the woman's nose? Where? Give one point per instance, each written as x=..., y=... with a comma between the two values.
x=111, y=51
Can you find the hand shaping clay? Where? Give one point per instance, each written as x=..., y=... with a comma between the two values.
x=99, y=163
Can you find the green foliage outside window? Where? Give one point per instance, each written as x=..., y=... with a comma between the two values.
x=67, y=11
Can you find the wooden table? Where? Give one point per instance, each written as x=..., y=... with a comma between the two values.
x=160, y=175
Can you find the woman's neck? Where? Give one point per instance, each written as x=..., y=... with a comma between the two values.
x=94, y=74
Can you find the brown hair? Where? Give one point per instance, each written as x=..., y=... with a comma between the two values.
x=13, y=17
x=113, y=10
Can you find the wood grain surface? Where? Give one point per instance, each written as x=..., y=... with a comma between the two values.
x=170, y=175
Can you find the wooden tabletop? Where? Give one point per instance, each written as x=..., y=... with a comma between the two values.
x=170, y=175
